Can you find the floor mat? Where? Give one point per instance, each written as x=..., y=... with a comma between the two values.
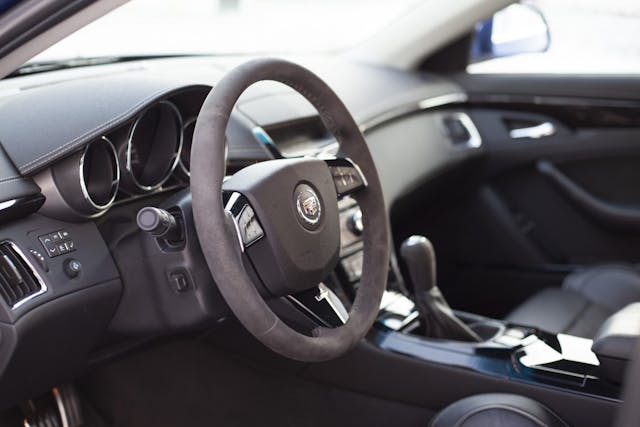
x=191, y=383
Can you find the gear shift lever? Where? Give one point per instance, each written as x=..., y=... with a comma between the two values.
x=439, y=320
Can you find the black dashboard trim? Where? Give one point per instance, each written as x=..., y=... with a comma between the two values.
x=20, y=207
x=577, y=112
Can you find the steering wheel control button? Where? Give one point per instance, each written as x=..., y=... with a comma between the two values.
x=72, y=268
x=308, y=206
x=249, y=227
x=347, y=177
x=57, y=243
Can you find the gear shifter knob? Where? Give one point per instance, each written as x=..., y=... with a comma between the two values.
x=438, y=318
x=420, y=258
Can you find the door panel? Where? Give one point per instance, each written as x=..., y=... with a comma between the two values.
x=542, y=206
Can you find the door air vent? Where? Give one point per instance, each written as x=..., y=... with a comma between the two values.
x=461, y=130
x=19, y=282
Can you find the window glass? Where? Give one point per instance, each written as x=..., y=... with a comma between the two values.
x=165, y=27
x=586, y=36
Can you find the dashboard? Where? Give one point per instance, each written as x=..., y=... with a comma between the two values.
x=83, y=150
x=146, y=154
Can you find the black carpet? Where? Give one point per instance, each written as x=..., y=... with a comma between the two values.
x=191, y=383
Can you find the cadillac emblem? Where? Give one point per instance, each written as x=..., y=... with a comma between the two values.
x=308, y=205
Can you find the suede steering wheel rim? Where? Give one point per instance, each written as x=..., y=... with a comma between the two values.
x=219, y=236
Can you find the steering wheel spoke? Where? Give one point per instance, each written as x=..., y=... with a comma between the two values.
x=347, y=176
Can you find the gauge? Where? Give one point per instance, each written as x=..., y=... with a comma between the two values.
x=99, y=174
x=154, y=146
x=187, y=139
x=86, y=181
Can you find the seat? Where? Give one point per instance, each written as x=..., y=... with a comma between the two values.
x=585, y=300
x=496, y=410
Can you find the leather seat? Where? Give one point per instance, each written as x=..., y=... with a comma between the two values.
x=496, y=410
x=585, y=300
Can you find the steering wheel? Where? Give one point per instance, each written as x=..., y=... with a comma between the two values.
x=274, y=230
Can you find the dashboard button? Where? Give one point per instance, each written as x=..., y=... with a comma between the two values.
x=40, y=259
x=49, y=246
x=72, y=267
x=179, y=280
x=355, y=222
x=57, y=243
x=46, y=240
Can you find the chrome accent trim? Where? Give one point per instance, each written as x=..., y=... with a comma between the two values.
x=300, y=208
x=236, y=206
x=114, y=184
x=176, y=155
x=410, y=108
x=474, y=141
x=61, y=409
x=325, y=293
x=533, y=132
x=332, y=300
x=43, y=286
x=187, y=123
x=351, y=163
x=233, y=199
x=365, y=183
x=409, y=319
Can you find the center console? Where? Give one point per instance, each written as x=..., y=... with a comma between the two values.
x=513, y=352
x=507, y=351
x=349, y=268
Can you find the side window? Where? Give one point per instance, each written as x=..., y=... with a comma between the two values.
x=560, y=36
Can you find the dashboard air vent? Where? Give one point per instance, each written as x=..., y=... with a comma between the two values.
x=18, y=281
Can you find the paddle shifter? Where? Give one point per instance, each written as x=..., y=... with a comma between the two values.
x=439, y=320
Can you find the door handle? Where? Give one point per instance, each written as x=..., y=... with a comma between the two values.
x=533, y=132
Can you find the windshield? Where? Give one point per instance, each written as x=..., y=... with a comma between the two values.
x=167, y=27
